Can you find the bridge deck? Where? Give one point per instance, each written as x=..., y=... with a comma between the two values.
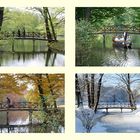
x=118, y=29
x=20, y=109
x=115, y=32
x=23, y=106
x=116, y=106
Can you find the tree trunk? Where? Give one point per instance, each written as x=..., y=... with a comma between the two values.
x=48, y=32
x=52, y=93
x=78, y=93
x=131, y=97
x=88, y=90
x=87, y=13
x=92, y=90
x=52, y=27
x=98, y=92
x=1, y=16
x=41, y=92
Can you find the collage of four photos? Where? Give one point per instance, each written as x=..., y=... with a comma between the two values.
x=35, y=37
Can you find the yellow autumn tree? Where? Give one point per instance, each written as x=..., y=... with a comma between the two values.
x=9, y=84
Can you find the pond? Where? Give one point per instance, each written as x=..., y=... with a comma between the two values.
x=115, y=122
x=27, y=54
x=94, y=54
x=19, y=123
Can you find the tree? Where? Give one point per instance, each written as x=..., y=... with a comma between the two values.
x=51, y=24
x=48, y=23
x=46, y=19
x=88, y=90
x=1, y=16
x=127, y=80
x=9, y=84
x=92, y=89
x=15, y=19
x=98, y=92
x=51, y=91
x=78, y=92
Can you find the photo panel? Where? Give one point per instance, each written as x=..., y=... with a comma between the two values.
x=107, y=103
x=107, y=36
x=32, y=103
x=32, y=36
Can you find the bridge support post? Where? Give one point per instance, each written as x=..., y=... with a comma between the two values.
x=106, y=110
x=104, y=40
x=33, y=45
x=13, y=49
x=7, y=118
x=7, y=121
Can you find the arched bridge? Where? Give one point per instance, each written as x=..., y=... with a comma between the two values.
x=23, y=35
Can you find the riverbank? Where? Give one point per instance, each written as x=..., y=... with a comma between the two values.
x=57, y=46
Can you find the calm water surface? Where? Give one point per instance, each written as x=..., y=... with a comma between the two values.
x=24, y=55
x=96, y=54
x=109, y=57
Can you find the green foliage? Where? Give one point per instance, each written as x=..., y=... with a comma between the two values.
x=32, y=19
x=84, y=31
x=52, y=121
x=17, y=19
x=95, y=19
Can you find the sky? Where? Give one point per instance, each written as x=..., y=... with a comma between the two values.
x=113, y=80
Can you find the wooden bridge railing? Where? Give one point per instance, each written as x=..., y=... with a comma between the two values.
x=33, y=35
x=119, y=29
x=116, y=106
x=19, y=105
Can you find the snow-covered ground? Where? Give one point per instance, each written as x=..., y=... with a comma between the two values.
x=114, y=121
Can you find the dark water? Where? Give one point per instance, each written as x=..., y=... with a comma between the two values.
x=27, y=54
x=108, y=57
x=98, y=54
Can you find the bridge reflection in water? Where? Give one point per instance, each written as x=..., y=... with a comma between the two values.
x=48, y=58
x=29, y=50
x=24, y=126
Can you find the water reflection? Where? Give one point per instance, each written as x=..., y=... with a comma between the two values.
x=19, y=122
x=27, y=54
x=31, y=59
x=108, y=57
x=94, y=54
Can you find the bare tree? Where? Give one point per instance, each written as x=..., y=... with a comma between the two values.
x=92, y=89
x=78, y=92
x=98, y=92
x=88, y=90
x=127, y=80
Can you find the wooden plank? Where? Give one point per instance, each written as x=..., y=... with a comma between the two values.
x=19, y=125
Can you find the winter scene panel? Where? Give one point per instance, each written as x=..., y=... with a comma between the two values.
x=107, y=103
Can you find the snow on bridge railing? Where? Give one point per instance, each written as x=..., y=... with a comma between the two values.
x=114, y=104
